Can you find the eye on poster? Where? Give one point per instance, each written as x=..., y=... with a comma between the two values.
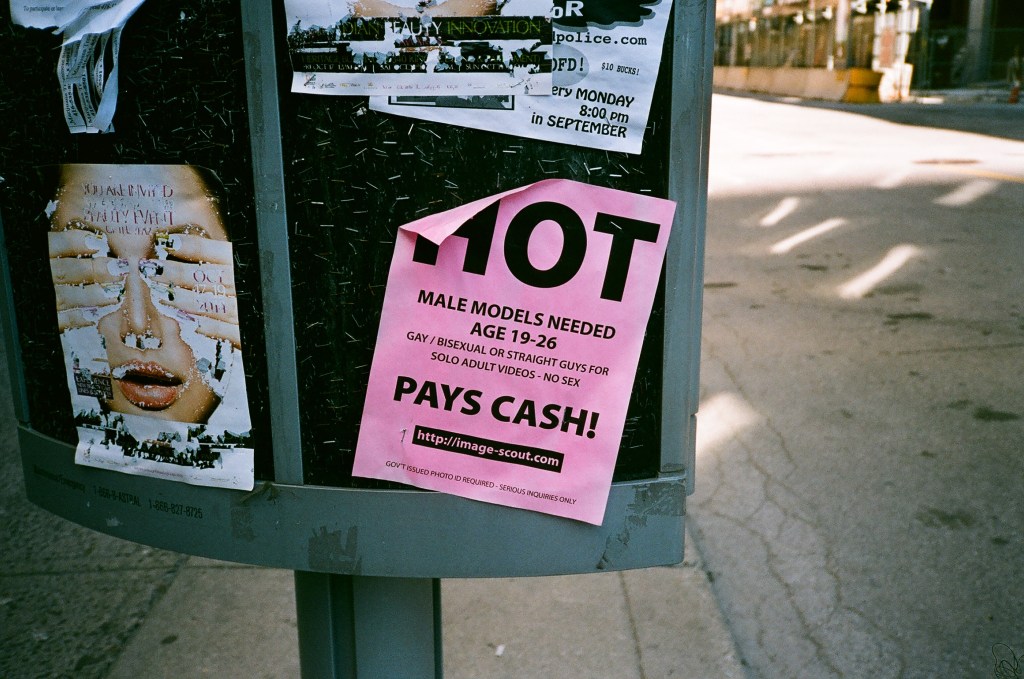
x=508, y=345
x=470, y=47
x=607, y=54
x=144, y=279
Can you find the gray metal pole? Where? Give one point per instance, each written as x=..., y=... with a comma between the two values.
x=349, y=626
x=359, y=627
x=323, y=604
x=399, y=627
x=10, y=337
x=692, y=69
x=272, y=228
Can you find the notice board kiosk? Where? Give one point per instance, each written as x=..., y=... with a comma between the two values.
x=458, y=245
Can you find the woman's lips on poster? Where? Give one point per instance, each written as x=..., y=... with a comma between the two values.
x=148, y=385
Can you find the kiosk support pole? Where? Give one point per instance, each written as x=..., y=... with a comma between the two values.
x=349, y=626
x=353, y=627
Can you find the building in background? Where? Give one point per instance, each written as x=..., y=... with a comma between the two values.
x=936, y=43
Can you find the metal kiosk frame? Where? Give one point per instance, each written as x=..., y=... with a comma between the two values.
x=368, y=562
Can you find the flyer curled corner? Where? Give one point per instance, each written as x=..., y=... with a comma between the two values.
x=437, y=227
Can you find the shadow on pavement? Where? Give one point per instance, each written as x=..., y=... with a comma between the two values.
x=989, y=118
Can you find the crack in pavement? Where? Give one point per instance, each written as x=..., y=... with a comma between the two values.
x=773, y=531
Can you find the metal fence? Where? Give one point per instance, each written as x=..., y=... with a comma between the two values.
x=795, y=40
x=941, y=58
x=959, y=58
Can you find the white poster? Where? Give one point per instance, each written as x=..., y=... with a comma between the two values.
x=606, y=59
x=466, y=47
x=87, y=67
x=146, y=306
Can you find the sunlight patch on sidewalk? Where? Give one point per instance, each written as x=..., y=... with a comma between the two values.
x=894, y=179
x=893, y=261
x=785, y=208
x=968, y=193
x=721, y=417
x=787, y=244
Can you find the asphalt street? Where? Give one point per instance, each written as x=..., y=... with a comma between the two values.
x=859, y=477
x=989, y=118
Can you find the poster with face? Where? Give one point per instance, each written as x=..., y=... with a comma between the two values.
x=458, y=47
x=144, y=280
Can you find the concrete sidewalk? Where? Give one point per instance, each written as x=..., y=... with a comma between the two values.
x=225, y=620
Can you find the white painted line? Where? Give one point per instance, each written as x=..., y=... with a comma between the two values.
x=890, y=264
x=968, y=193
x=894, y=179
x=787, y=244
x=784, y=209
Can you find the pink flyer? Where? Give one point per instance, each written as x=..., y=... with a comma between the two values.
x=508, y=345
